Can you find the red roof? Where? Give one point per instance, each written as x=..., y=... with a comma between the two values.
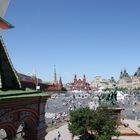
x=4, y=24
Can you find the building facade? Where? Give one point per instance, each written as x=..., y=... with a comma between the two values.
x=125, y=80
x=79, y=84
x=130, y=82
x=100, y=83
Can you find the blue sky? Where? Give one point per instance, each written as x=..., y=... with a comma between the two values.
x=92, y=37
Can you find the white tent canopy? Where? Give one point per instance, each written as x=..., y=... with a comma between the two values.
x=120, y=95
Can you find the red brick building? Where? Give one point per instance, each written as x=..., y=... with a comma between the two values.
x=32, y=82
x=80, y=84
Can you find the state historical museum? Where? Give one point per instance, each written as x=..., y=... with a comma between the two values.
x=80, y=84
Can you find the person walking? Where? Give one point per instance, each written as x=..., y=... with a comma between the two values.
x=133, y=110
x=58, y=135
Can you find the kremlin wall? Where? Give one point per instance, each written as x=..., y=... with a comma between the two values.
x=32, y=82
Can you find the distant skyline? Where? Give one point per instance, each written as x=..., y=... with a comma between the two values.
x=91, y=37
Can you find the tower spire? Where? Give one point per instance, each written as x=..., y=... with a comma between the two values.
x=55, y=76
x=60, y=82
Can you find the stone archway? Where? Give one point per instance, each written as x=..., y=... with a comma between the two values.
x=27, y=128
x=10, y=131
x=30, y=130
x=15, y=118
x=30, y=111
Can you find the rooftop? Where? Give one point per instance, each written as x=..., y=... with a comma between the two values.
x=9, y=94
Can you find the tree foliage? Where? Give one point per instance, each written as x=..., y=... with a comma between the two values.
x=98, y=123
x=80, y=121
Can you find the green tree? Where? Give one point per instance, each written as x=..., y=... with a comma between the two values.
x=86, y=123
x=80, y=121
x=103, y=124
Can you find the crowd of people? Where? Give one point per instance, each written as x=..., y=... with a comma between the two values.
x=64, y=105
